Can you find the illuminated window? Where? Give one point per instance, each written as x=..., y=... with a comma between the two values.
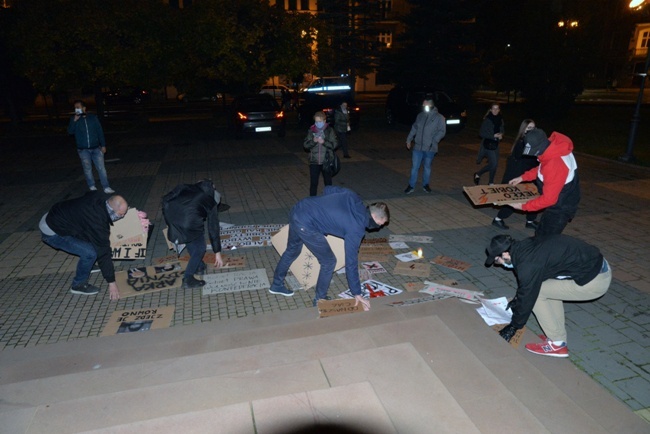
x=385, y=6
x=385, y=38
x=645, y=39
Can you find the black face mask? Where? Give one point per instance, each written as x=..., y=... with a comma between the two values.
x=372, y=226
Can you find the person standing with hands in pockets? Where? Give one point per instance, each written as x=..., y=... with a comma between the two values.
x=320, y=140
x=427, y=131
x=91, y=145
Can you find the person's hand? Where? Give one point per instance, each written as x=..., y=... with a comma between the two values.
x=515, y=181
x=518, y=206
x=508, y=332
x=113, y=291
x=512, y=304
x=364, y=303
x=408, y=145
x=498, y=136
x=218, y=260
x=103, y=149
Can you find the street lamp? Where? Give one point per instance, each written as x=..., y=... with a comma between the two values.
x=636, y=117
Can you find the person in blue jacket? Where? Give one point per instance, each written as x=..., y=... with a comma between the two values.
x=339, y=212
x=91, y=145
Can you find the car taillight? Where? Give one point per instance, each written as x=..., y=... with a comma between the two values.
x=327, y=110
x=356, y=109
x=279, y=115
x=242, y=116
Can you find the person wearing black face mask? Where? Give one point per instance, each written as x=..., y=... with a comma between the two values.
x=339, y=212
x=82, y=228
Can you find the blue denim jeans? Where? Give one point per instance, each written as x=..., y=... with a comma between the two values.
x=90, y=157
x=315, y=241
x=74, y=246
x=418, y=157
x=196, y=249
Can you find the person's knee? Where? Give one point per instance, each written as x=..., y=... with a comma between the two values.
x=328, y=263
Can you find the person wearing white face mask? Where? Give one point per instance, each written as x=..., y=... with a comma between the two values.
x=320, y=139
x=427, y=131
x=549, y=270
x=91, y=145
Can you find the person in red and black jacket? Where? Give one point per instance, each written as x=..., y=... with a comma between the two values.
x=557, y=179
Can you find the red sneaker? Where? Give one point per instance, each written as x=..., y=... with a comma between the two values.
x=548, y=349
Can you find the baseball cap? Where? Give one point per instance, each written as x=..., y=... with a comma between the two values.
x=498, y=245
x=536, y=142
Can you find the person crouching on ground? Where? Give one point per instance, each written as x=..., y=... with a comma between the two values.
x=82, y=227
x=339, y=212
x=549, y=270
x=186, y=208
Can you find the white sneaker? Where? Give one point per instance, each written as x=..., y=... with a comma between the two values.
x=109, y=190
x=93, y=188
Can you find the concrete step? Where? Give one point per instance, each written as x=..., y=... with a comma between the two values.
x=417, y=362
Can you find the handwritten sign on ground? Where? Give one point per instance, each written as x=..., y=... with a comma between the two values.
x=306, y=267
x=501, y=194
x=423, y=239
x=374, y=241
x=413, y=301
x=516, y=339
x=373, y=257
x=138, y=320
x=455, y=264
x=373, y=267
x=373, y=289
x=433, y=288
x=414, y=286
x=408, y=256
x=248, y=236
x=143, y=280
x=338, y=307
x=375, y=252
x=399, y=245
x=127, y=238
x=413, y=269
x=235, y=281
x=169, y=258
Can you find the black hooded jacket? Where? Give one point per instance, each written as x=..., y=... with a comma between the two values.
x=186, y=208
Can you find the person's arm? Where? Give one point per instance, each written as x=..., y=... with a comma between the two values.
x=555, y=174
x=331, y=140
x=99, y=237
x=72, y=126
x=414, y=130
x=529, y=284
x=213, y=230
x=487, y=130
x=440, y=129
x=309, y=143
x=352, y=244
x=100, y=134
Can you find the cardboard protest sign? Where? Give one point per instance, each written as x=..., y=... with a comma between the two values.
x=399, y=245
x=235, y=281
x=516, y=339
x=170, y=245
x=143, y=280
x=423, y=239
x=374, y=241
x=328, y=308
x=128, y=240
x=375, y=252
x=368, y=257
x=248, y=235
x=168, y=258
x=414, y=286
x=138, y=320
x=373, y=289
x=452, y=263
x=373, y=267
x=413, y=301
x=408, y=256
x=433, y=288
x=501, y=194
x=414, y=269
x=306, y=267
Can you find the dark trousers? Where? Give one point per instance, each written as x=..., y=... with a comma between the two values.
x=315, y=241
x=552, y=222
x=196, y=249
x=343, y=142
x=491, y=166
x=507, y=211
x=86, y=252
x=314, y=173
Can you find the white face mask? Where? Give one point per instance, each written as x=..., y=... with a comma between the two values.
x=427, y=108
x=217, y=197
x=78, y=111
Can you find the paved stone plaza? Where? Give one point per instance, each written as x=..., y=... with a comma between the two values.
x=261, y=178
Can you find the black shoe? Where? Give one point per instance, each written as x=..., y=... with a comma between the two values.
x=500, y=224
x=532, y=225
x=223, y=207
x=426, y=188
x=201, y=270
x=408, y=190
x=84, y=289
x=191, y=282
x=315, y=301
x=477, y=178
x=281, y=291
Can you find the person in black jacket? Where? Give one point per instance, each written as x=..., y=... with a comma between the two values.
x=549, y=271
x=186, y=208
x=517, y=165
x=491, y=132
x=82, y=227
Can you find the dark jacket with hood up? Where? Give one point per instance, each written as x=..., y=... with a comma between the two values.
x=86, y=218
x=538, y=259
x=186, y=209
